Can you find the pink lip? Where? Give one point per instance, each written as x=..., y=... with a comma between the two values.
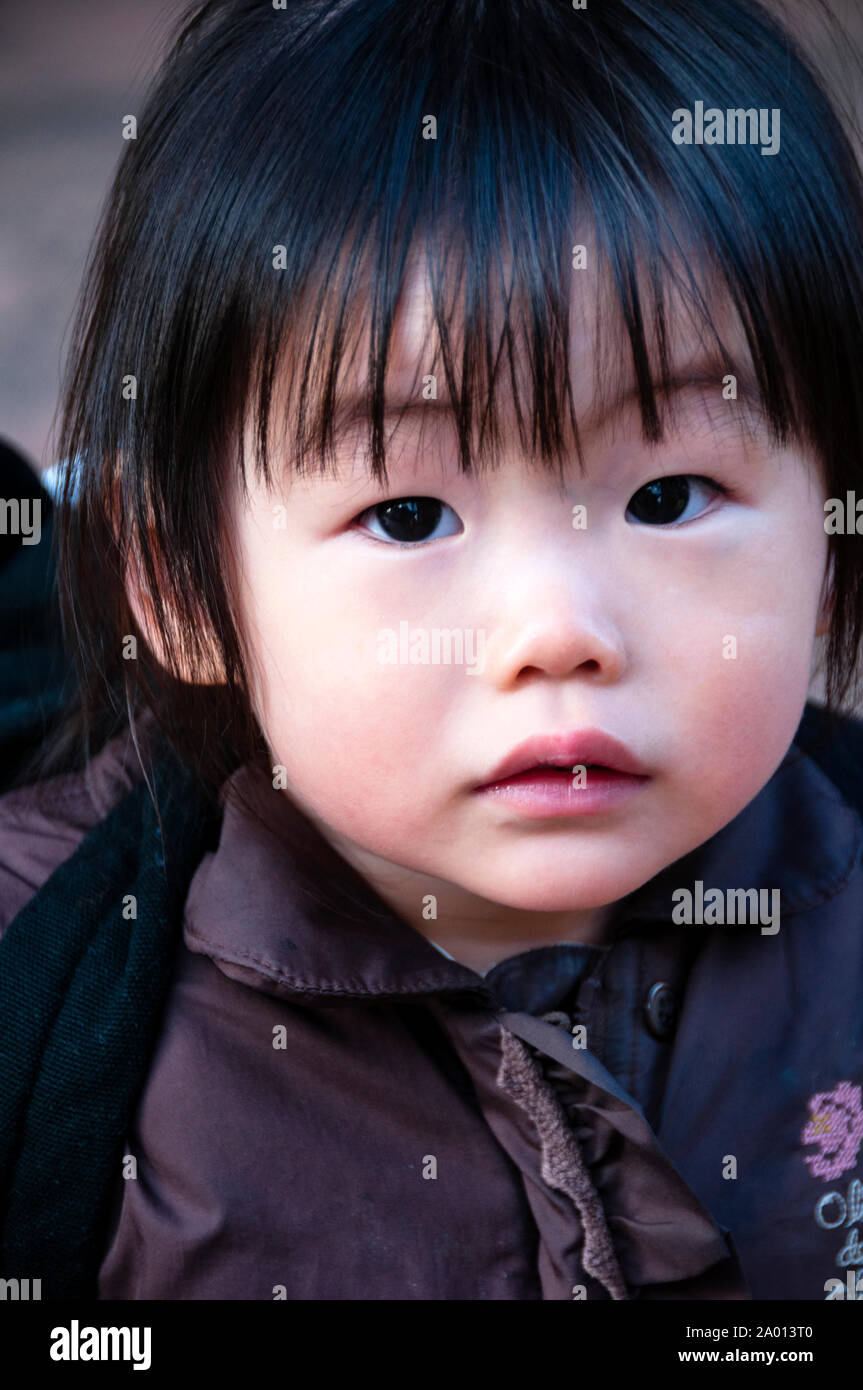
x=582, y=746
x=537, y=779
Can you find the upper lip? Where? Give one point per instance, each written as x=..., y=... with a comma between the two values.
x=580, y=746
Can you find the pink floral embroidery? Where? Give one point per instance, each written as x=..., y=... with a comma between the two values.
x=836, y=1126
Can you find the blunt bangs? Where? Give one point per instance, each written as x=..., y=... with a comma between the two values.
x=551, y=132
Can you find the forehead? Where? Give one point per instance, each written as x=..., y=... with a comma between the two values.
x=703, y=348
x=687, y=342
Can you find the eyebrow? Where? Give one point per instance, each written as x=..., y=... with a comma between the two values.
x=702, y=373
x=355, y=409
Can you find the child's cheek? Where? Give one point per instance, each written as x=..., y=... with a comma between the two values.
x=743, y=677
x=362, y=737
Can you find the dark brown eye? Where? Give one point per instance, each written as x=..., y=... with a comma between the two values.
x=666, y=500
x=410, y=520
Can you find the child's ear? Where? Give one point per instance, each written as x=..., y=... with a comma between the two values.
x=168, y=649
x=825, y=607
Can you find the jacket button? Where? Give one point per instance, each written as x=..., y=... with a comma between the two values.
x=660, y=1008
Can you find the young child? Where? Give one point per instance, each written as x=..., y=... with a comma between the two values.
x=431, y=898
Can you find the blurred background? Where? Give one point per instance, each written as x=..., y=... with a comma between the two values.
x=70, y=70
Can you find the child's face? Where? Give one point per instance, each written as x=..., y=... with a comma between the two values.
x=691, y=643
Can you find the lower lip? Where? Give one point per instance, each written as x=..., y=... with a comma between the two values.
x=541, y=793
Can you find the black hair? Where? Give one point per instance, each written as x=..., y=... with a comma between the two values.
x=305, y=126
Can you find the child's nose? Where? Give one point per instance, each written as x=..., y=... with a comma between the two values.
x=556, y=628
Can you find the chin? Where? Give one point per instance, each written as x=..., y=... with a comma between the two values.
x=569, y=893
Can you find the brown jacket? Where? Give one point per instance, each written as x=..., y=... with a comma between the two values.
x=336, y=1109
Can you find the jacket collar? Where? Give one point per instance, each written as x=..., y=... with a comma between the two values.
x=275, y=906
x=278, y=908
